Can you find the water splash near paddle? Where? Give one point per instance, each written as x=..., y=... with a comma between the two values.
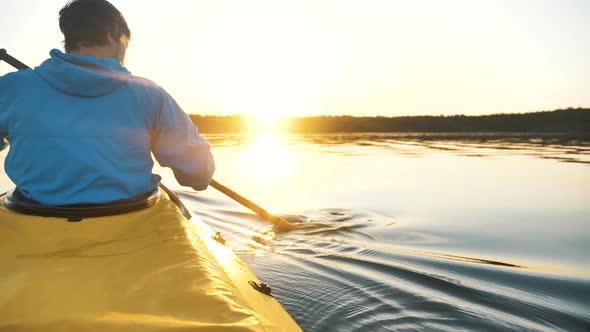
x=346, y=270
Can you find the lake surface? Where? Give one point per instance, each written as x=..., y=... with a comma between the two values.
x=411, y=232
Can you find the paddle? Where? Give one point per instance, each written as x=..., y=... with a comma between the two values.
x=279, y=222
x=12, y=61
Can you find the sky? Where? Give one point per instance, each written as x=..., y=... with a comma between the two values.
x=273, y=58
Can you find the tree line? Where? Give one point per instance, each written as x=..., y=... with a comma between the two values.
x=571, y=120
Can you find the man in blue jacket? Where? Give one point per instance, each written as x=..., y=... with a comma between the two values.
x=82, y=128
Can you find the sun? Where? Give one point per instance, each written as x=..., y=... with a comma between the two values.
x=265, y=68
x=266, y=123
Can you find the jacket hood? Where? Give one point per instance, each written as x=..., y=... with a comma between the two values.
x=83, y=76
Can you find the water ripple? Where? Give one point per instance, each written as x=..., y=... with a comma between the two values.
x=332, y=274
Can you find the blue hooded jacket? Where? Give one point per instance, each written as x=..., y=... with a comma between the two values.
x=82, y=130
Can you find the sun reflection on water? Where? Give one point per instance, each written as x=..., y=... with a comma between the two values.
x=266, y=157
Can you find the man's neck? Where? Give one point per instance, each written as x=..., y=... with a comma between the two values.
x=101, y=52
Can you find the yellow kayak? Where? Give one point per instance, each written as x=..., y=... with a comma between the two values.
x=148, y=270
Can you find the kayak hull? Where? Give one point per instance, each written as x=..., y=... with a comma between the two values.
x=149, y=270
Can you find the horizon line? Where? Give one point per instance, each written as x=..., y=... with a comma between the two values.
x=579, y=108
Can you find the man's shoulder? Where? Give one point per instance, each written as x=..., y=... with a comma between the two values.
x=149, y=87
x=16, y=80
x=144, y=83
x=16, y=76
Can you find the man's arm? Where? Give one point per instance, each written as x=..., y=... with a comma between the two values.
x=177, y=144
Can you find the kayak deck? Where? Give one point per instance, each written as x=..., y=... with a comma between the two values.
x=150, y=270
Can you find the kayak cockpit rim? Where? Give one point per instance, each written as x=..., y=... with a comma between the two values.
x=13, y=200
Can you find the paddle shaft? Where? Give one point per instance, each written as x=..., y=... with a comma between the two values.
x=12, y=61
x=277, y=221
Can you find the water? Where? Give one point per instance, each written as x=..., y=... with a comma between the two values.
x=412, y=232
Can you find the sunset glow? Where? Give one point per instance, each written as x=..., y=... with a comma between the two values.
x=269, y=59
x=266, y=158
x=380, y=165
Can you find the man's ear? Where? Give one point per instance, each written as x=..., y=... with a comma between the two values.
x=124, y=40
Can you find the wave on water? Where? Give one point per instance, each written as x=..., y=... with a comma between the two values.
x=345, y=270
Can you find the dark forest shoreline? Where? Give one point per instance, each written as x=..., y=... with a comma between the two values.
x=563, y=121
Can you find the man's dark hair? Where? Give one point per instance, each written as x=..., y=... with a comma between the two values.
x=90, y=22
